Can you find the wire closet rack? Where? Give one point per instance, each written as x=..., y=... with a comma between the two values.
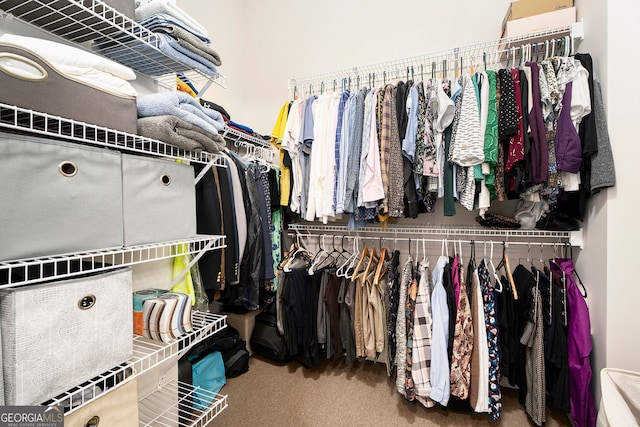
x=92, y=23
x=147, y=354
x=440, y=62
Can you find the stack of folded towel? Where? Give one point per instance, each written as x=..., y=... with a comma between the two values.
x=178, y=119
x=181, y=37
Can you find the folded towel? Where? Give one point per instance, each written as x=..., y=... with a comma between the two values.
x=191, y=43
x=182, y=134
x=143, y=11
x=162, y=20
x=183, y=106
x=195, y=61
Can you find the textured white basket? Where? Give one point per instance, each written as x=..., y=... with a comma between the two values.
x=58, y=335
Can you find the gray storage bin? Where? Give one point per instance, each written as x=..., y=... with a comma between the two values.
x=57, y=197
x=58, y=335
x=159, y=202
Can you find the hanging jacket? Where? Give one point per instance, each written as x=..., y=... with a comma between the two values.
x=579, y=345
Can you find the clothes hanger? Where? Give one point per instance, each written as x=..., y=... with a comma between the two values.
x=331, y=257
x=317, y=258
x=542, y=262
x=495, y=272
x=344, y=254
x=364, y=255
x=425, y=260
x=584, y=289
x=505, y=257
x=563, y=287
x=344, y=268
x=299, y=251
x=372, y=263
x=382, y=265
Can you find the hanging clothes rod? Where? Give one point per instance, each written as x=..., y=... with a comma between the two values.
x=440, y=230
x=489, y=53
x=429, y=240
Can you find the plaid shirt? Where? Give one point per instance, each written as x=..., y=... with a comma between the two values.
x=422, y=337
x=385, y=144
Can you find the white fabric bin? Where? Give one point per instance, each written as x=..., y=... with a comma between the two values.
x=58, y=335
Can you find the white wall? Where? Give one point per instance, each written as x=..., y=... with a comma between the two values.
x=592, y=261
x=623, y=293
x=264, y=43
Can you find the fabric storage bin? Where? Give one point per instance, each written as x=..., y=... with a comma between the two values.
x=57, y=197
x=159, y=200
x=43, y=89
x=58, y=335
x=118, y=407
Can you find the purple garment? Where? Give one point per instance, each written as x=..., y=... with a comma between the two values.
x=583, y=408
x=455, y=272
x=539, y=150
x=568, y=146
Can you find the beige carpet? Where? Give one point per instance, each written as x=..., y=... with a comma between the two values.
x=333, y=395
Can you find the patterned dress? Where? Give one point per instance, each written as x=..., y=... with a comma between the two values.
x=491, y=324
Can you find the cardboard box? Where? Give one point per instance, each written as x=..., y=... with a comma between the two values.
x=525, y=8
x=541, y=22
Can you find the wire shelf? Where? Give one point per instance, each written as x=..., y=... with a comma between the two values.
x=437, y=230
x=118, y=36
x=147, y=354
x=427, y=63
x=28, y=271
x=22, y=119
x=177, y=404
x=253, y=146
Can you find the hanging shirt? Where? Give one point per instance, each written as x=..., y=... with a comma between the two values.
x=422, y=337
x=467, y=145
x=372, y=189
x=328, y=176
x=401, y=326
x=579, y=346
x=440, y=374
x=532, y=338
x=410, y=136
x=290, y=144
x=462, y=341
x=393, y=285
x=479, y=390
x=491, y=327
x=342, y=139
x=539, y=153
x=305, y=141
x=355, y=146
x=396, y=191
x=277, y=135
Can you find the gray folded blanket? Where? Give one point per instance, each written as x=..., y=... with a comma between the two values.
x=175, y=131
x=190, y=42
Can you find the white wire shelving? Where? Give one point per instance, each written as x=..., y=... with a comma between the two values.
x=29, y=271
x=195, y=407
x=444, y=231
x=22, y=119
x=425, y=65
x=253, y=147
x=147, y=354
x=120, y=38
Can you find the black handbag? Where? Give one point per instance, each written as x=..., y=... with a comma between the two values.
x=266, y=340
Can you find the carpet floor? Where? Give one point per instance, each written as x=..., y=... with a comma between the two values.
x=334, y=395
